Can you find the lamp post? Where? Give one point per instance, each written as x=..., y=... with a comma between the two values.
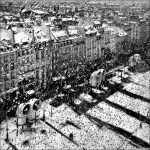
x=7, y=133
x=43, y=115
x=17, y=125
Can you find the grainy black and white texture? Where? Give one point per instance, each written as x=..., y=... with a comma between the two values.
x=109, y=110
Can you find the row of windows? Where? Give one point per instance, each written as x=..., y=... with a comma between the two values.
x=12, y=57
x=42, y=55
x=65, y=50
x=43, y=45
x=42, y=74
x=26, y=69
x=62, y=44
x=7, y=58
x=7, y=86
x=26, y=60
x=7, y=77
x=25, y=52
x=7, y=67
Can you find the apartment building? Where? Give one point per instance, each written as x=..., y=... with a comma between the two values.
x=62, y=50
x=8, y=72
x=68, y=50
x=135, y=32
x=112, y=37
x=78, y=47
x=134, y=10
x=31, y=48
x=139, y=31
x=91, y=41
x=43, y=54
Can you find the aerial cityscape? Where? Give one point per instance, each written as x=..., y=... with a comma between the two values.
x=74, y=74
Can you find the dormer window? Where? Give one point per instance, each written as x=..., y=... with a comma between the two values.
x=16, y=45
x=25, y=43
x=61, y=44
x=64, y=43
x=45, y=44
x=40, y=45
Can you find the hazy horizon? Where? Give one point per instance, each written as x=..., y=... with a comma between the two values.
x=102, y=1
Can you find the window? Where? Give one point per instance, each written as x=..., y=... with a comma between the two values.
x=7, y=86
x=89, y=54
x=12, y=57
x=40, y=45
x=1, y=69
x=42, y=54
x=43, y=73
x=29, y=67
x=12, y=75
x=6, y=68
x=32, y=59
x=12, y=66
x=75, y=49
x=23, y=61
x=5, y=58
x=28, y=60
x=1, y=60
x=19, y=61
x=27, y=52
x=37, y=55
x=23, y=53
x=1, y=88
x=47, y=53
x=0, y=78
x=37, y=74
x=31, y=51
x=12, y=84
x=6, y=77
x=133, y=38
x=19, y=54
x=67, y=49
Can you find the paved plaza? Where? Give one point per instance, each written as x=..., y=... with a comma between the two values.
x=118, y=122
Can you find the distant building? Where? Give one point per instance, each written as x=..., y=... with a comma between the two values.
x=134, y=10
x=92, y=40
x=31, y=58
x=112, y=36
x=69, y=49
x=8, y=72
x=139, y=31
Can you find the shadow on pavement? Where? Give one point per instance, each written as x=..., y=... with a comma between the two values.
x=11, y=145
x=73, y=124
x=60, y=132
x=126, y=134
x=129, y=112
x=134, y=95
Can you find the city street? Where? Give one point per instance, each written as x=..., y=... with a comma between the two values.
x=119, y=121
x=74, y=75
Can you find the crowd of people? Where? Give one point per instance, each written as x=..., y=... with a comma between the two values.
x=56, y=88
x=9, y=105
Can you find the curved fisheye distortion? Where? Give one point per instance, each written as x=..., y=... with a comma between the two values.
x=74, y=74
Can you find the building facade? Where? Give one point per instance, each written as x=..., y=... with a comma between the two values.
x=28, y=58
x=8, y=71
